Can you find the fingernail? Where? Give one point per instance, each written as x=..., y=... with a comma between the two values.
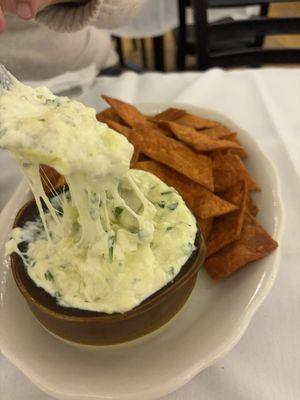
x=24, y=11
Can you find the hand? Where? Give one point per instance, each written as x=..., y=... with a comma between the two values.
x=24, y=9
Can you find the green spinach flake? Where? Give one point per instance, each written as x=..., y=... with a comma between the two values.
x=118, y=211
x=111, y=242
x=94, y=198
x=111, y=253
x=161, y=204
x=48, y=276
x=26, y=164
x=55, y=102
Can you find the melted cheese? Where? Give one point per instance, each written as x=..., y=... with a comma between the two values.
x=118, y=235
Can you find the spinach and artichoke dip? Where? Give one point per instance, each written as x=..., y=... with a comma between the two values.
x=116, y=235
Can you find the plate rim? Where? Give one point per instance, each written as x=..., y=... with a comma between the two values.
x=184, y=377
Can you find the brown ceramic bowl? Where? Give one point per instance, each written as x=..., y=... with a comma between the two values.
x=95, y=328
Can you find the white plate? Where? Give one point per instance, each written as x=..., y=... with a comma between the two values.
x=209, y=325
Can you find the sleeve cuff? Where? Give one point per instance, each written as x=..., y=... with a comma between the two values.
x=69, y=17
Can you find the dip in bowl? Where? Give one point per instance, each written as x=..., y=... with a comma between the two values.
x=98, y=328
x=107, y=243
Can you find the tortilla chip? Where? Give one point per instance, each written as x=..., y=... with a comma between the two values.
x=170, y=114
x=108, y=114
x=205, y=226
x=143, y=157
x=227, y=228
x=231, y=136
x=237, y=194
x=254, y=243
x=251, y=206
x=128, y=113
x=174, y=154
x=219, y=132
x=122, y=129
x=201, y=201
x=197, y=140
x=155, y=127
x=51, y=179
x=225, y=176
x=241, y=152
x=196, y=122
x=241, y=171
x=135, y=157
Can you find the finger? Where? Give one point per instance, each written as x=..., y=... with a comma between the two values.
x=25, y=9
x=2, y=21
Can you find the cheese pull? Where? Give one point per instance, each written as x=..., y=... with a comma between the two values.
x=113, y=236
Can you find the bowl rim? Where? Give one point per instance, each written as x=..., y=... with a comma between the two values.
x=198, y=254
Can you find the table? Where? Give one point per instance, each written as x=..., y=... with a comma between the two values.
x=266, y=362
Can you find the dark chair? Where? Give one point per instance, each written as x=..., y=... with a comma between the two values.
x=158, y=54
x=125, y=65
x=229, y=43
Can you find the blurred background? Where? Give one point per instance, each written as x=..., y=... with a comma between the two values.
x=172, y=35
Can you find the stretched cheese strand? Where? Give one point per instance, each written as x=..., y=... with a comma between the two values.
x=117, y=235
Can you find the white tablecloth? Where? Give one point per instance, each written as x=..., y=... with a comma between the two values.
x=265, y=365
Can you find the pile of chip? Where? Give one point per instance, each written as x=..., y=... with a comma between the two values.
x=203, y=161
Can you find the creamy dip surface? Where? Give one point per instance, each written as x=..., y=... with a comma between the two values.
x=117, y=235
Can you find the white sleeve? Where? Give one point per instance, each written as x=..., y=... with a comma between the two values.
x=74, y=16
